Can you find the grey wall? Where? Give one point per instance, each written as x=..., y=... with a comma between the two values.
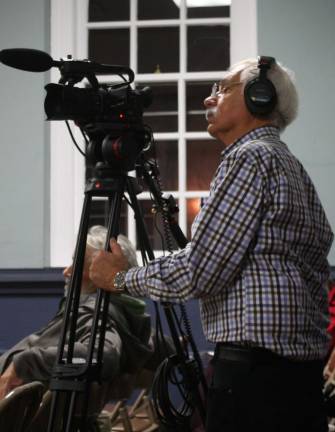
x=301, y=34
x=24, y=172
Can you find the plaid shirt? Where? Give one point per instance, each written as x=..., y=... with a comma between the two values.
x=258, y=256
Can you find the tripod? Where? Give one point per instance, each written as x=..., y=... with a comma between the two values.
x=71, y=379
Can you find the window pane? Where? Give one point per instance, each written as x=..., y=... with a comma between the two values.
x=208, y=48
x=157, y=9
x=193, y=207
x=221, y=9
x=203, y=157
x=109, y=46
x=107, y=10
x=100, y=212
x=162, y=115
x=154, y=226
x=196, y=92
x=158, y=50
x=166, y=153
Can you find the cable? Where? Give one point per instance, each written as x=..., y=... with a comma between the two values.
x=159, y=232
x=179, y=370
x=168, y=415
x=87, y=141
x=73, y=139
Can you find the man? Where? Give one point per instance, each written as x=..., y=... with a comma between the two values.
x=128, y=330
x=257, y=261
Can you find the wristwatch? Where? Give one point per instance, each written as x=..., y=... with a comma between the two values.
x=120, y=281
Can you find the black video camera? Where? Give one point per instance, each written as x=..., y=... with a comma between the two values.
x=110, y=115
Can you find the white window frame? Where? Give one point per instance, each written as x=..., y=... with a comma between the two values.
x=69, y=32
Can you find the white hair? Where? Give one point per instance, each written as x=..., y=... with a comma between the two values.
x=282, y=78
x=96, y=238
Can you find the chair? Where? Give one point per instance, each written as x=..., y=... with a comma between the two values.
x=120, y=389
x=19, y=406
x=41, y=418
x=98, y=396
x=139, y=417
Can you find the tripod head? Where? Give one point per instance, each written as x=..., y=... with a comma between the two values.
x=117, y=149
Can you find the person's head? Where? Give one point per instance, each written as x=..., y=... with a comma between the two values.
x=96, y=239
x=227, y=112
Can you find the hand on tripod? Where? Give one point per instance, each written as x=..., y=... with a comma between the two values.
x=105, y=266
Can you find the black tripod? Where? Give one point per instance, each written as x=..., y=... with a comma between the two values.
x=71, y=380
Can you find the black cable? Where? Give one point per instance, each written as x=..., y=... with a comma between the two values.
x=160, y=342
x=159, y=232
x=73, y=139
x=183, y=372
x=168, y=415
x=87, y=141
x=128, y=202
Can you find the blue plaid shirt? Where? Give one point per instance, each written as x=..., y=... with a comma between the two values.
x=258, y=256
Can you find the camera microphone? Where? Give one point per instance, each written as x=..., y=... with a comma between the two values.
x=26, y=59
x=33, y=60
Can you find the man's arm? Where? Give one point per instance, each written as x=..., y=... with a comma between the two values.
x=222, y=234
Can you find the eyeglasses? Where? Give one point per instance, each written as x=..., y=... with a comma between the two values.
x=218, y=88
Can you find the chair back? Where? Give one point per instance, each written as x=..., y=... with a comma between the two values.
x=19, y=407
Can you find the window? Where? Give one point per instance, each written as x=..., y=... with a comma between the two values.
x=178, y=48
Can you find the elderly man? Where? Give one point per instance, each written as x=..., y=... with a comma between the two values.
x=257, y=261
x=127, y=336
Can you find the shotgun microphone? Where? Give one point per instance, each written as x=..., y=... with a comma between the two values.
x=33, y=60
x=26, y=59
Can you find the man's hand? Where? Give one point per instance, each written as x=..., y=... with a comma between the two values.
x=9, y=381
x=105, y=265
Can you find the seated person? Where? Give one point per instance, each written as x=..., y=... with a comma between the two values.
x=127, y=341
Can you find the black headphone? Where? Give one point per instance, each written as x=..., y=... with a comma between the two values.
x=260, y=94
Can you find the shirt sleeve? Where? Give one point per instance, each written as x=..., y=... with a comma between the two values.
x=221, y=235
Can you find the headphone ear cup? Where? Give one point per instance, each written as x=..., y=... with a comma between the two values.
x=260, y=96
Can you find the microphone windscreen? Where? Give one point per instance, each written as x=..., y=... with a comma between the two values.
x=26, y=59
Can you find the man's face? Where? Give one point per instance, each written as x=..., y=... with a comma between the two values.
x=226, y=112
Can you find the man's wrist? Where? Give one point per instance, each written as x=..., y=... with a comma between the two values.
x=119, y=281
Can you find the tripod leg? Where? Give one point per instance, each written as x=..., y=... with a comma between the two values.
x=71, y=412
x=71, y=309
x=53, y=407
x=69, y=377
x=103, y=298
x=72, y=301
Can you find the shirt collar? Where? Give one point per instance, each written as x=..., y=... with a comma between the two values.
x=255, y=134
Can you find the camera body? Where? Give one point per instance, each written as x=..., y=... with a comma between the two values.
x=119, y=106
x=111, y=116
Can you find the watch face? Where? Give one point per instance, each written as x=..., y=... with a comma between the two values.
x=119, y=280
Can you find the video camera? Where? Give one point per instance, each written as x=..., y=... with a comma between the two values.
x=110, y=115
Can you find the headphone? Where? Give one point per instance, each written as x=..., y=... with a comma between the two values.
x=260, y=94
